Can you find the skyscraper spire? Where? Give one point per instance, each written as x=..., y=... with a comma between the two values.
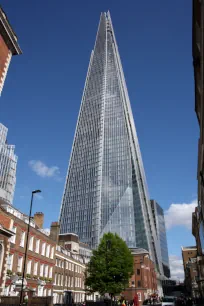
x=105, y=188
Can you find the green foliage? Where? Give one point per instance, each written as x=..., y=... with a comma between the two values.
x=110, y=266
x=9, y=272
x=19, y=273
x=28, y=275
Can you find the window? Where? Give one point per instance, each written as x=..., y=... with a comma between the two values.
x=62, y=279
x=13, y=238
x=50, y=272
x=69, y=281
x=138, y=271
x=66, y=280
x=49, y=292
x=10, y=262
x=41, y=269
x=19, y=264
x=139, y=296
x=37, y=246
x=43, y=249
x=72, y=267
x=28, y=270
x=66, y=264
x=35, y=271
x=52, y=253
x=31, y=243
x=55, y=283
x=22, y=239
x=59, y=279
x=46, y=271
x=62, y=264
x=139, y=283
x=48, y=251
x=69, y=266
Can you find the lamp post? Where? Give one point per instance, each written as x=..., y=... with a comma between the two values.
x=26, y=248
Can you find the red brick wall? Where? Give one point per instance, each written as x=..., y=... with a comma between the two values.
x=4, y=219
x=143, y=279
x=4, y=51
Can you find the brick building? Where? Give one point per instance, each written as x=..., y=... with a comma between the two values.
x=69, y=266
x=8, y=46
x=69, y=275
x=189, y=255
x=54, y=264
x=5, y=235
x=40, y=255
x=144, y=280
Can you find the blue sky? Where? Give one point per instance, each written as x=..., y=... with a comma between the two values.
x=42, y=95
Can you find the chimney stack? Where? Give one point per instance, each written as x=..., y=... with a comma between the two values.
x=54, y=231
x=39, y=219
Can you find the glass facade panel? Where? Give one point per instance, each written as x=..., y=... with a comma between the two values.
x=8, y=162
x=159, y=223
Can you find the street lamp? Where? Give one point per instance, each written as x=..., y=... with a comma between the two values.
x=26, y=248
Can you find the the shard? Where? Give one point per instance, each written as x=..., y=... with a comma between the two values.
x=105, y=188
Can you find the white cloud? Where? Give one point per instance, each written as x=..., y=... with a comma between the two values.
x=176, y=267
x=43, y=170
x=180, y=215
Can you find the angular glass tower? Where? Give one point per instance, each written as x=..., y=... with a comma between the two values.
x=105, y=188
x=8, y=162
x=159, y=223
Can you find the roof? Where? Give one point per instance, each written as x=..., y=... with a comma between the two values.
x=138, y=251
x=189, y=248
x=8, y=33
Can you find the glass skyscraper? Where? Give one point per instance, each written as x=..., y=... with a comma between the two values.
x=159, y=222
x=8, y=161
x=105, y=187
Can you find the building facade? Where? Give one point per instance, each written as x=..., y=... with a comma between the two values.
x=71, y=259
x=54, y=265
x=144, y=280
x=189, y=255
x=198, y=65
x=5, y=235
x=105, y=188
x=159, y=223
x=8, y=163
x=40, y=256
x=69, y=276
x=8, y=46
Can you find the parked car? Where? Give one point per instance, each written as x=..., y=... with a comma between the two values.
x=168, y=301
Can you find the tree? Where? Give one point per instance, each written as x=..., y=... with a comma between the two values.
x=110, y=266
